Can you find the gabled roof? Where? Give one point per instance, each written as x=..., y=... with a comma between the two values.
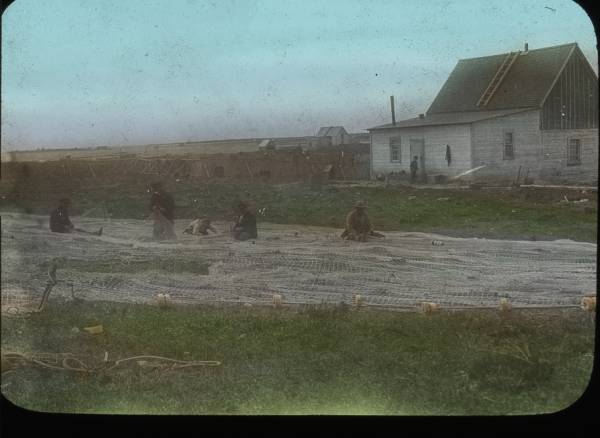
x=331, y=131
x=526, y=84
x=456, y=118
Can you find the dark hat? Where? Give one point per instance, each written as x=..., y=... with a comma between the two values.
x=360, y=204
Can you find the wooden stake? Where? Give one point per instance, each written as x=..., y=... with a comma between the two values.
x=249, y=171
x=92, y=170
x=51, y=283
x=357, y=300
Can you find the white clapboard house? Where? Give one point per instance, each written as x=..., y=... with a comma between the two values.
x=531, y=113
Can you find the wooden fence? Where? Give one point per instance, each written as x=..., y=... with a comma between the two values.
x=266, y=166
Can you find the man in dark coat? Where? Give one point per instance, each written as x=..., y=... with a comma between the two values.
x=358, y=225
x=61, y=223
x=162, y=206
x=245, y=227
x=414, y=167
x=59, y=218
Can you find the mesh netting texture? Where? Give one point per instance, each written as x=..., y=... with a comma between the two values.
x=309, y=265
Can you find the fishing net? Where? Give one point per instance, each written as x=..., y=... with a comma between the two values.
x=309, y=265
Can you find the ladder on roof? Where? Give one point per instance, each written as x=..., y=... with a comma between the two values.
x=497, y=79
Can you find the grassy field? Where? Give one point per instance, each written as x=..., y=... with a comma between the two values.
x=517, y=214
x=305, y=361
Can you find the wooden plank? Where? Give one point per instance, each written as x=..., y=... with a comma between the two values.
x=498, y=77
x=576, y=87
x=573, y=91
x=562, y=101
x=558, y=75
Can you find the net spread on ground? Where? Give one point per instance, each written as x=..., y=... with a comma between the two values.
x=303, y=264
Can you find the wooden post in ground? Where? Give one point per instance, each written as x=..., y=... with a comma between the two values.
x=249, y=171
x=92, y=170
x=51, y=283
x=518, y=176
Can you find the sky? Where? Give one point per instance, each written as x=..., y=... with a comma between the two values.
x=83, y=73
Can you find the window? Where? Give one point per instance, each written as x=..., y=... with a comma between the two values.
x=574, y=152
x=395, y=149
x=509, y=148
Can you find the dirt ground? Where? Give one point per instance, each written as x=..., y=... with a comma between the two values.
x=303, y=264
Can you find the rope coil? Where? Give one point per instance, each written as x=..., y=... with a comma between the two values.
x=71, y=363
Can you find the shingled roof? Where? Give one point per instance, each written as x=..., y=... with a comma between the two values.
x=526, y=84
x=456, y=118
x=332, y=131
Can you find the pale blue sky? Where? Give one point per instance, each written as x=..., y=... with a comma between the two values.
x=87, y=73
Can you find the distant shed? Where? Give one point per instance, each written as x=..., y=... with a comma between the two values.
x=337, y=134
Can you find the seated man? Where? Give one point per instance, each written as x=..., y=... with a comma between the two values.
x=199, y=226
x=245, y=227
x=358, y=225
x=59, y=218
x=61, y=223
x=162, y=207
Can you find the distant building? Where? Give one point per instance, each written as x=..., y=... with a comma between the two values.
x=337, y=134
x=266, y=144
x=533, y=110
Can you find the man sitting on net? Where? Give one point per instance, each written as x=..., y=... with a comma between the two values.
x=61, y=223
x=358, y=225
x=162, y=207
x=245, y=227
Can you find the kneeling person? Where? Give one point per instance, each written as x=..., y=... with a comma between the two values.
x=61, y=223
x=245, y=227
x=358, y=225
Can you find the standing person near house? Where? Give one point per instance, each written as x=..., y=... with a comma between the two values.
x=162, y=206
x=414, y=167
x=245, y=227
x=358, y=225
x=61, y=223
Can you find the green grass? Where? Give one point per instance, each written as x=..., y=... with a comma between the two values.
x=324, y=360
x=520, y=214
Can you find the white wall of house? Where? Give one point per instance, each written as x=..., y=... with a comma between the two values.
x=554, y=165
x=487, y=139
x=458, y=137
